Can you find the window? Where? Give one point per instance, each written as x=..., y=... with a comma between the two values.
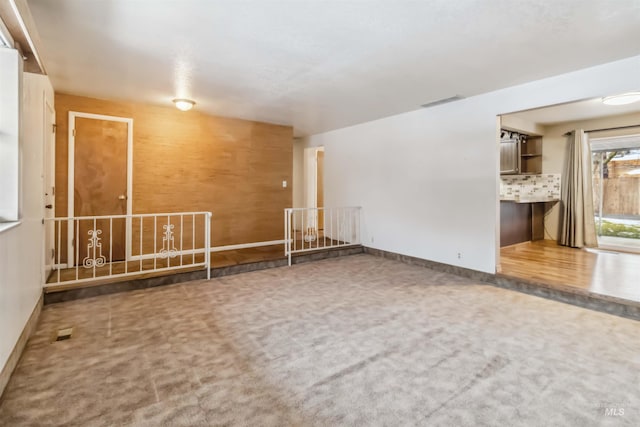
x=616, y=191
x=10, y=105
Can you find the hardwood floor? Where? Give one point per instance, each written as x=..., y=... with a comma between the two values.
x=599, y=272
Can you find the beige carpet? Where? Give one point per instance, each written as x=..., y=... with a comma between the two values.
x=354, y=341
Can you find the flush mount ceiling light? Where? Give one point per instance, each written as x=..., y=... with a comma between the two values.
x=622, y=99
x=183, y=104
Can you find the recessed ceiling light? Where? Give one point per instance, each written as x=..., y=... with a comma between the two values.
x=184, y=104
x=622, y=99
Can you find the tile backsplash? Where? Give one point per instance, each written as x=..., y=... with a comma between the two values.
x=513, y=187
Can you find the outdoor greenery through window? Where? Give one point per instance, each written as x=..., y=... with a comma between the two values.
x=616, y=188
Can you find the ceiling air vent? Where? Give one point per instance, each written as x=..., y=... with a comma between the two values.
x=442, y=101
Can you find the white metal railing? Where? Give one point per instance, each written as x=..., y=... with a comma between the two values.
x=91, y=248
x=311, y=229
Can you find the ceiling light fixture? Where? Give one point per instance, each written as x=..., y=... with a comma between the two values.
x=183, y=104
x=622, y=99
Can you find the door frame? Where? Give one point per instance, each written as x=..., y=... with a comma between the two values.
x=311, y=176
x=48, y=109
x=311, y=181
x=71, y=178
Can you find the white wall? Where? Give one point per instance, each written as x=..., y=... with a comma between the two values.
x=427, y=179
x=21, y=247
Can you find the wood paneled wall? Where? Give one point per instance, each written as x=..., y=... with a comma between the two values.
x=190, y=161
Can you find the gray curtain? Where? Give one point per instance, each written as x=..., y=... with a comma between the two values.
x=578, y=227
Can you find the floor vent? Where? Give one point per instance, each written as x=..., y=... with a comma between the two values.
x=63, y=334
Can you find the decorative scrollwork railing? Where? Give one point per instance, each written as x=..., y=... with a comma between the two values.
x=93, y=248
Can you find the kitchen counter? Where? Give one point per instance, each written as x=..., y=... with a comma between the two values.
x=531, y=200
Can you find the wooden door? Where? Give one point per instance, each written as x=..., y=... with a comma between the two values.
x=100, y=188
x=320, y=187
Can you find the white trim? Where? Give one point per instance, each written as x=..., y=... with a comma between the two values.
x=71, y=173
x=157, y=255
x=25, y=31
x=97, y=278
x=323, y=208
x=213, y=249
x=246, y=245
x=48, y=110
x=64, y=218
x=320, y=248
x=4, y=226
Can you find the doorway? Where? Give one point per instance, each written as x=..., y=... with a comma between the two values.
x=314, y=189
x=100, y=166
x=616, y=191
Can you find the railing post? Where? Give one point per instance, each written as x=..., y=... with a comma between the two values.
x=287, y=234
x=207, y=250
x=76, y=249
x=360, y=225
x=58, y=251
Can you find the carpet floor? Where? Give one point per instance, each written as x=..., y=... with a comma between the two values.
x=353, y=341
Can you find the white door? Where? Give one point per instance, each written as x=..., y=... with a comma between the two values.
x=49, y=180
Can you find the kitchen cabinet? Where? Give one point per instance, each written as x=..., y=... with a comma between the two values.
x=515, y=223
x=521, y=154
x=509, y=156
x=531, y=155
x=522, y=221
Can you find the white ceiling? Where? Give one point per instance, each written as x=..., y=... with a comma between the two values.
x=321, y=65
x=574, y=111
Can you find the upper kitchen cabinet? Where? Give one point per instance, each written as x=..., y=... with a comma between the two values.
x=531, y=155
x=509, y=156
x=520, y=153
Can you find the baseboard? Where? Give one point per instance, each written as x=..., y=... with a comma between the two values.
x=14, y=357
x=564, y=294
x=433, y=265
